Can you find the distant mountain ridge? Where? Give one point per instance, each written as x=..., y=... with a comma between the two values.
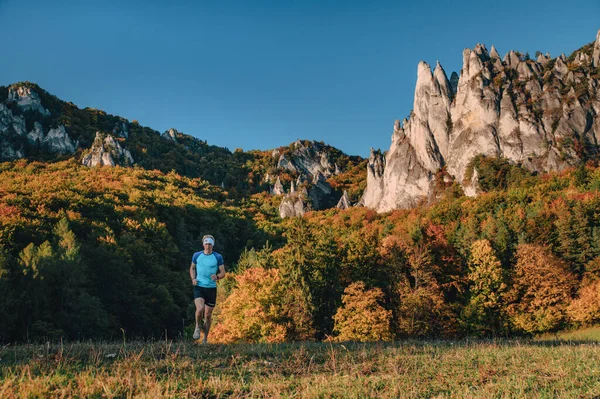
x=37, y=125
x=541, y=114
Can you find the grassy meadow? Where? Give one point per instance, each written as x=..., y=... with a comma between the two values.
x=556, y=368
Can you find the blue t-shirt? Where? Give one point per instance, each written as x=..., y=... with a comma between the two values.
x=206, y=266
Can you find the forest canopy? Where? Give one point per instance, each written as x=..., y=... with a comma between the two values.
x=92, y=252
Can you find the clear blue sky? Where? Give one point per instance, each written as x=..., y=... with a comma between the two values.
x=260, y=74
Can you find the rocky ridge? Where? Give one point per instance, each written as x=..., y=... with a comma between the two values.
x=311, y=163
x=106, y=151
x=542, y=114
x=36, y=125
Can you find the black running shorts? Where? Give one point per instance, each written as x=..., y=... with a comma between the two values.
x=208, y=294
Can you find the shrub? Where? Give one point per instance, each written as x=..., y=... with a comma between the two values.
x=585, y=310
x=262, y=309
x=361, y=317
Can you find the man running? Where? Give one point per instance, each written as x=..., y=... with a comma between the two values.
x=207, y=267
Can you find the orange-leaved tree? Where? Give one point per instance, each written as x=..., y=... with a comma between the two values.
x=585, y=310
x=542, y=288
x=361, y=317
x=262, y=308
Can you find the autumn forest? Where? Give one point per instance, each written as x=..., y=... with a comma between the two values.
x=101, y=252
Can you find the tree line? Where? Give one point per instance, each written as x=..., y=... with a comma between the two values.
x=97, y=253
x=521, y=260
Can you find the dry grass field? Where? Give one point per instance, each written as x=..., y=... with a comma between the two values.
x=548, y=368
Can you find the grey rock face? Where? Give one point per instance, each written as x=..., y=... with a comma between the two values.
x=26, y=99
x=596, y=52
x=170, y=134
x=292, y=205
x=312, y=164
x=405, y=180
x=515, y=108
x=344, y=202
x=12, y=126
x=57, y=140
x=375, y=180
x=310, y=159
x=106, y=151
x=285, y=163
x=278, y=188
x=320, y=192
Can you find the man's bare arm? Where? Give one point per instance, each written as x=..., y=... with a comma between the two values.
x=193, y=273
x=221, y=273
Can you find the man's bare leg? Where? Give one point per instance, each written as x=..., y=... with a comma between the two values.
x=207, y=321
x=200, y=309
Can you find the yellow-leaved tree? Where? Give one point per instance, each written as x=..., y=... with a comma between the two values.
x=484, y=313
x=262, y=308
x=361, y=317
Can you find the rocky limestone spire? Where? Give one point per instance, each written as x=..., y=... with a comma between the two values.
x=344, y=202
x=292, y=206
x=445, y=87
x=543, y=59
x=403, y=178
x=526, y=71
x=474, y=113
x=473, y=63
x=440, y=110
x=496, y=59
x=422, y=90
x=494, y=52
x=375, y=169
x=427, y=126
x=596, y=53
x=560, y=68
x=400, y=180
x=499, y=108
x=278, y=188
x=581, y=58
x=511, y=59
